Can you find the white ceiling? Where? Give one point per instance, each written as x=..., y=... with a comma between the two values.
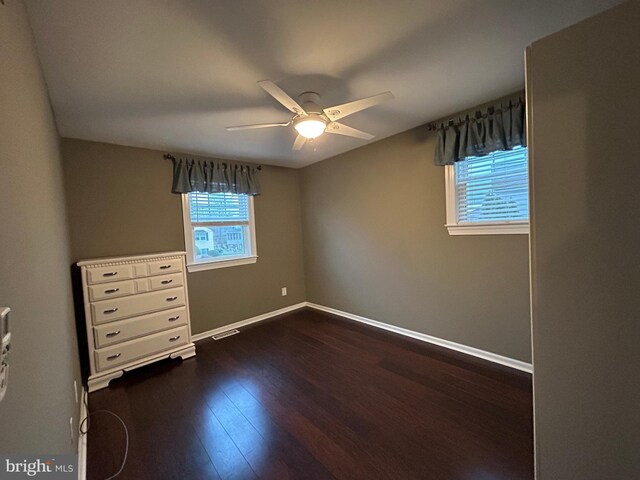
x=171, y=74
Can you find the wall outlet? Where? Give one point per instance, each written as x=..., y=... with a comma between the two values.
x=284, y=291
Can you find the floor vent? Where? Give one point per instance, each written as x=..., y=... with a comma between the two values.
x=228, y=333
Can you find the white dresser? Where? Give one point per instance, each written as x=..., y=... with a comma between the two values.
x=136, y=312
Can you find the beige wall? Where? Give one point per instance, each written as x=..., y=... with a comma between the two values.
x=120, y=203
x=34, y=257
x=585, y=263
x=376, y=246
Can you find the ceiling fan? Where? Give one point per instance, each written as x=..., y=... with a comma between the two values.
x=311, y=120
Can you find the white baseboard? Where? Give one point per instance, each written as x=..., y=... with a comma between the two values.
x=476, y=352
x=243, y=323
x=82, y=438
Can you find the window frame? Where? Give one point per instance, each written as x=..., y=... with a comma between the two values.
x=504, y=227
x=195, y=266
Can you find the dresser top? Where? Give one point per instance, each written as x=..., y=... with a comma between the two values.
x=128, y=259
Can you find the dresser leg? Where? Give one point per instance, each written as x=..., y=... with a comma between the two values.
x=187, y=352
x=102, y=381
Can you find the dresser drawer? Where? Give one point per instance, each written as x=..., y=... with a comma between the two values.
x=165, y=281
x=118, y=308
x=111, y=290
x=123, y=330
x=165, y=266
x=139, y=348
x=109, y=274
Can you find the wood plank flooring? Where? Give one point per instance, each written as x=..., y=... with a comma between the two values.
x=311, y=396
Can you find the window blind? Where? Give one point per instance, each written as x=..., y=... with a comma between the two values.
x=218, y=207
x=493, y=188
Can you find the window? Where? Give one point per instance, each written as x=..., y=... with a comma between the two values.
x=201, y=235
x=489, y=194
x=219, y=230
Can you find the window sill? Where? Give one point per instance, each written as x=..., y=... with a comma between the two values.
x=234, y=262
x=488, y=228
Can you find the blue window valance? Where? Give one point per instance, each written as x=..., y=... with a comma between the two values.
x=214, y=177
x=498, y=127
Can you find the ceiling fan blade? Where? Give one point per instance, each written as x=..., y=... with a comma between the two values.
x=341, y=111
x=299, y=143
x=341, y=129
x=257, y=125
x=279, y=94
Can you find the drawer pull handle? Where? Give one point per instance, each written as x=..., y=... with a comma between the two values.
x=166, y=282
x=112, y=290
x=164, y=267
x=173, y=339
x=171, y=299
x=109, y=274
x=173, y=319
x=113, y=334
x=113, y=357
x=111, y=310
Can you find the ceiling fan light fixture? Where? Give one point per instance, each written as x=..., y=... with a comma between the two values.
x=310, y=119
x=310, y=127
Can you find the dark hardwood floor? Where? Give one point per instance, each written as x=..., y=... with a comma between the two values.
x=308, y=395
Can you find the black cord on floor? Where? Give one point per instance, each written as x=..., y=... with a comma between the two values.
x=84, y=431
